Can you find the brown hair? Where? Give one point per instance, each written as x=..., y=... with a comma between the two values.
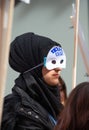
x=75, y=115
x=62, y=88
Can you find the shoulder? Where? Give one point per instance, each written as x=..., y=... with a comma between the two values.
x=24, y=112
x=9, y=115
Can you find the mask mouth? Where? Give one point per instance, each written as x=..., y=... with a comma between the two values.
x=56, y=58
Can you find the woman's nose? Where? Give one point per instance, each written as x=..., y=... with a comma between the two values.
x=58, y=69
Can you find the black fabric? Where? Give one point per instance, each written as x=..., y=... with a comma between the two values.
x=28, y=51
x=47, y=96
x=34, y=96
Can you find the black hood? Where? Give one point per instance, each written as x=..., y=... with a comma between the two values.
x=28, y=51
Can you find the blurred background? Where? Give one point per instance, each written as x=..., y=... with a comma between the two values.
x=51, y=18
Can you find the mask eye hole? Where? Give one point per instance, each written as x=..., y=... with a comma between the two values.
x=53, y=61
x=61, y=61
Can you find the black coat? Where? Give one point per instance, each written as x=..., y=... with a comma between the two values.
x=33, y=105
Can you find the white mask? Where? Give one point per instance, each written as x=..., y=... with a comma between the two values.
x=56, y=58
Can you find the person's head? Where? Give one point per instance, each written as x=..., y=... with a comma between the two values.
x=62, y=90
x=75, y=115
x=39, y=55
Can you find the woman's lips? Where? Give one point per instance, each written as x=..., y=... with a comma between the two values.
x=56, y=75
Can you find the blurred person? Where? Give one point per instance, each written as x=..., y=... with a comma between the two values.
x=75, y=115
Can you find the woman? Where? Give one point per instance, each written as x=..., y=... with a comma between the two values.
x=75, y=115
x=34, y=102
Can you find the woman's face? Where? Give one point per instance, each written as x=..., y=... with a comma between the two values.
x=51, y=77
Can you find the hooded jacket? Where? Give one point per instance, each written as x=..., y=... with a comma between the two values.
x=33, y=104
